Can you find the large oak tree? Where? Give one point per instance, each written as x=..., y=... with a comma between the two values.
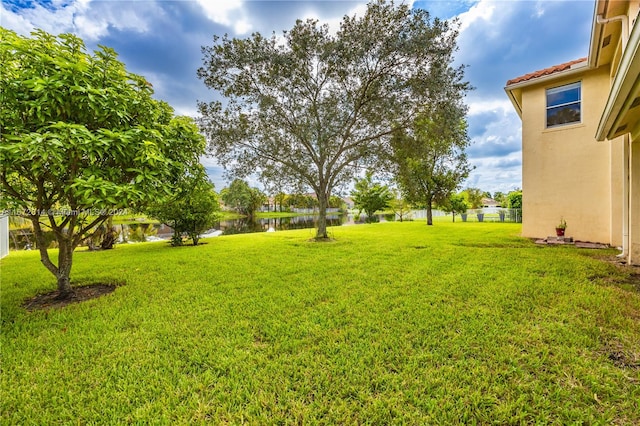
x=81, y=138
x=316, y=107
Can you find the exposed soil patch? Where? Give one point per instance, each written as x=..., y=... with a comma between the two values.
x=80, y=294
x=632, y=281
x=621, y=356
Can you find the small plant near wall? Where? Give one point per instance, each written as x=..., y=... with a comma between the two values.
x=560, y=228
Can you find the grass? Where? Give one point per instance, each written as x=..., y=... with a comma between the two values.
x=392, y=323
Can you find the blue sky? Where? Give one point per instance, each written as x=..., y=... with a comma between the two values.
x=161, y=40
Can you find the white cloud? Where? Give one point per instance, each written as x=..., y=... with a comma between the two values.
x=481, y=11
x=334, y=21
x=15, y=22
x=489, y=105
x=89, y=20
x=91, y=29
x=539, y=9
x=229, y=13
x=53, y=20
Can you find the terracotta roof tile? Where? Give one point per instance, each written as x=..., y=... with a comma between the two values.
x=547, y=71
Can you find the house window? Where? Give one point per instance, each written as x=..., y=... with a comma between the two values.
x=563, y=105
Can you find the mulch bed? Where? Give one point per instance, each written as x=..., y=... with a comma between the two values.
x=80, y=294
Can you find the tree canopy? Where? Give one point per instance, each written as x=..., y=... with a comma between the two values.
x=370, y=196
x=192, y=208
x=316, y=107
x=428, y=159
x=514, y=199
x=242, y=198
x=81, y=138
x=454, y=204
x=474, y=197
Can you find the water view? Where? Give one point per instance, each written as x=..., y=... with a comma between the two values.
x=248, y=225
x=21, y=238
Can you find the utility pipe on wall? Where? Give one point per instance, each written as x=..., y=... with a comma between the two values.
x=626, y=188
x=624, y=19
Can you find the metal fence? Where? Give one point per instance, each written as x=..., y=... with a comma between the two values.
x=487, y=214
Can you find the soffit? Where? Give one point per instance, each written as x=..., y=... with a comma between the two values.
x=622, y=111
x=606, y=37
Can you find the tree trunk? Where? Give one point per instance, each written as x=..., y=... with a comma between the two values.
x=429, y=214
x=65, y=259
x=322, y=216
x=62, y=272
x=15, y=240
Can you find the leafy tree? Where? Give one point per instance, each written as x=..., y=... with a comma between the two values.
x=81, y=136
x=500, y=197
x=316, y=106
x=401, y=207
x=192, y=208
x=302, y=201
x=369, y=196
x=428, y=159
x=258, y=199
x=240, y=197
x=278, y=200
x=514, y=199
x=336, y=202
x=455, y=203
x=474, y=197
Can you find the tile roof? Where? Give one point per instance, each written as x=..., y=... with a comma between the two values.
x=547, y=71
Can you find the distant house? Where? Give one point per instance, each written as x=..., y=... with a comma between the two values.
x=489, y=202
x=581, y=137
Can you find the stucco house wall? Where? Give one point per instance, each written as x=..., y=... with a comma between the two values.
x=566, y=172
x=587, y=172
x=634, y=208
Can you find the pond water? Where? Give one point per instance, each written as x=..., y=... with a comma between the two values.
x=147, y=232
x=21, y=239
x=137, y=232
x=247, y=225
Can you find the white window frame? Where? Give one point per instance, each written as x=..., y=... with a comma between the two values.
x=557, y=89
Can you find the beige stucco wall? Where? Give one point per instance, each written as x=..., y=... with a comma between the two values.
x=634, y=231
x=566, y=172
x=616, y=189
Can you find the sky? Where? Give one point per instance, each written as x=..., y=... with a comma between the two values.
x=162, y=40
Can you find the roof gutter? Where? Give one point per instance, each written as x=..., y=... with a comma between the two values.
x=625, y=26
x=599, y=9
x=575, y=69
x=623, y=82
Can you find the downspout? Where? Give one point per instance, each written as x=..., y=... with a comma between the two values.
x=625, y=198
x=624, y=19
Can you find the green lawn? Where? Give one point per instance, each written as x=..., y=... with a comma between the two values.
x=393, y=323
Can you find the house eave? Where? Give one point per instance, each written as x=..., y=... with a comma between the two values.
x=624, y=90
x=575, y=69
x=596, y=33
x=514, y=101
